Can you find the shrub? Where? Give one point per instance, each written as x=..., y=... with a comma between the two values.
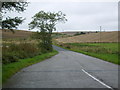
x=14, y=52
x=9, y=57
x=67, y=46
x=77, y=33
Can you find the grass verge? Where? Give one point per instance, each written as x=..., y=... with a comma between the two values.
x=105, y=51
x=10, y=69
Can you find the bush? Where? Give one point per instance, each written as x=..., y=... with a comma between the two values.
x=9, y=57
x=76, y=34
x=45, y=42
x=14, y=52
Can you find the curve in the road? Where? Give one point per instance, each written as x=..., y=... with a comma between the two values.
x=67, y=70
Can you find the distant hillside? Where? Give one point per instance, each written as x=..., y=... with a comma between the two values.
x=92, y=37
x=18, y=34
x=74, y=32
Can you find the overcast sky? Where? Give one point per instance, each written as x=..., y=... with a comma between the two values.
x=81, y=15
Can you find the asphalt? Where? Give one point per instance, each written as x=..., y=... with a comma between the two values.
x=67, y=69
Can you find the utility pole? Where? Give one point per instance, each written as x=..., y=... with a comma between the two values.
x=63, y=30
x=100, y=32
x=57, y=31
x=104, y=30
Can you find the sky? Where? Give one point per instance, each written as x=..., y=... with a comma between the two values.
x=81, y=16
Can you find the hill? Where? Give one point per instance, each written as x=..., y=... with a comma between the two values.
x=92, y=37
x=7, y=34
x=74, y=32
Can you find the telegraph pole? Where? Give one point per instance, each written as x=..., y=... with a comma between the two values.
x=100, y=32
x=104, y=30
x=57, y=31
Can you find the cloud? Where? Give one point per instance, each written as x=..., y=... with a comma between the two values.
x=80, y=15
x=73, y=0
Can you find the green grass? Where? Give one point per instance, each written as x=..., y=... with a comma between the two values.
x=107, y=57
x=112, y=46
x=0, y=74
x=105, y=51
x=10, y=69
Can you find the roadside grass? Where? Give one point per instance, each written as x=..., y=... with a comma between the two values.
x=105, y=51
x=0, y=74
x=113, y=58
x=10, y=69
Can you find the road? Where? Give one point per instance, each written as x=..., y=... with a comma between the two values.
x=67, y=69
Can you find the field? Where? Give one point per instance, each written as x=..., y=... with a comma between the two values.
x=92, y=37
x=19, y=34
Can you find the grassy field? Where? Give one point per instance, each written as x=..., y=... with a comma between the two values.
x=10, y=69
x=106, y=51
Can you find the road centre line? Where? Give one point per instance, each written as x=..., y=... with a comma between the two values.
x=97, y=80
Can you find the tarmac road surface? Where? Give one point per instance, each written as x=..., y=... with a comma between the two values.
x=67, y=69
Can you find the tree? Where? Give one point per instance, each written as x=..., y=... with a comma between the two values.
x=45, y=22
x=8, y=22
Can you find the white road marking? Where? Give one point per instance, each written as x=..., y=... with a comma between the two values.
x=97, y=80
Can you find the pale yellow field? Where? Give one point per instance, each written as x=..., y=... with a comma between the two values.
x=7, y=34
x=92, y=37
